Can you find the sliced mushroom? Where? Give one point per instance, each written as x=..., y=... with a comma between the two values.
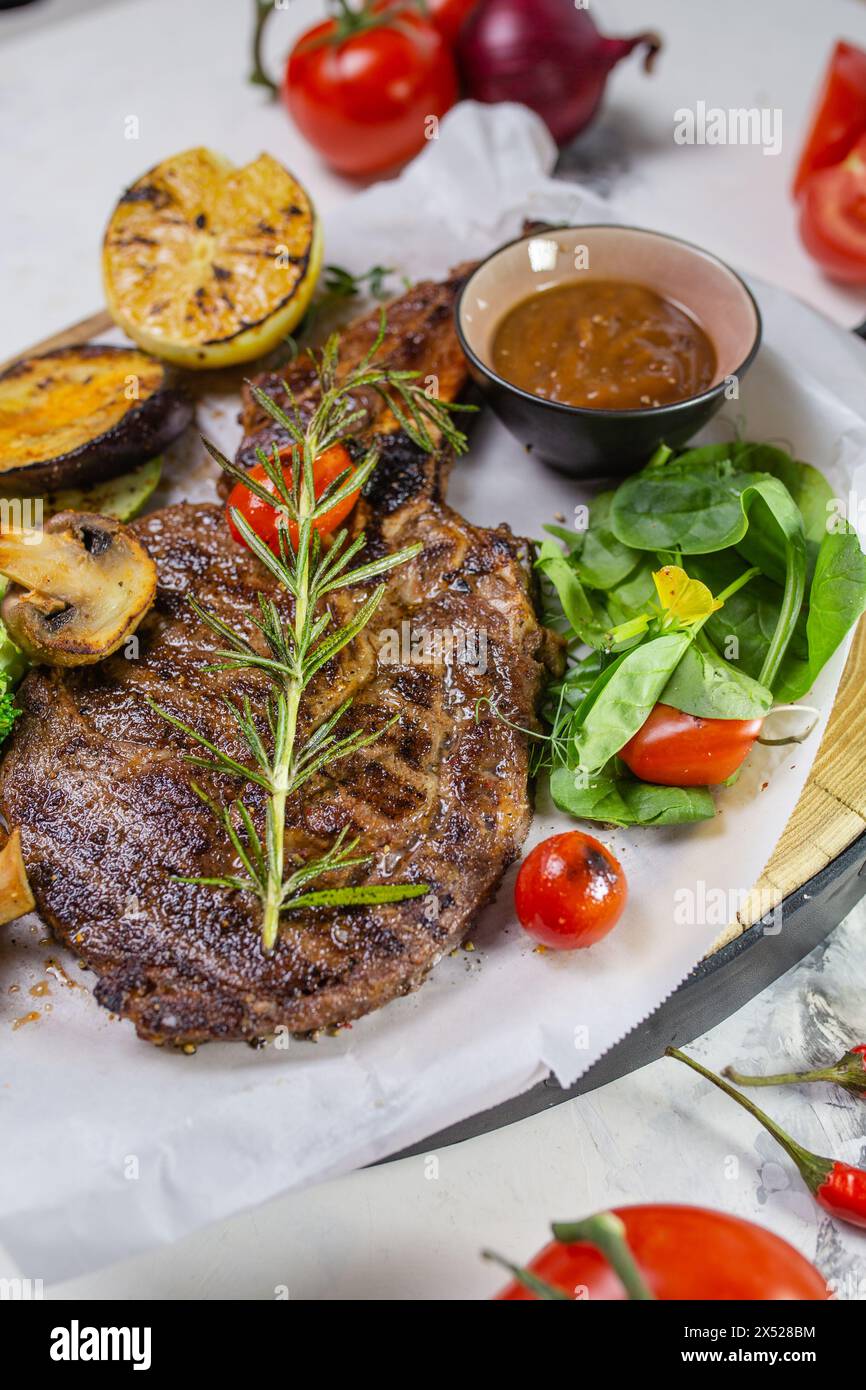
x=15, y=895
x=79, y=588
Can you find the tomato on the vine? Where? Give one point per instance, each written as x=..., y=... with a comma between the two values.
x=449, y=16
x=570, y=891
x=263, y=518
x=682, y=1253
x=673, y=749
x=362, y=86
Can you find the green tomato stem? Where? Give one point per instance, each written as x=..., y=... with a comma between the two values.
x=606, y=1232
x=264, y=10
x=525, y=1277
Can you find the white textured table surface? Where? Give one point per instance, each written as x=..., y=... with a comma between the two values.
x=71, y=71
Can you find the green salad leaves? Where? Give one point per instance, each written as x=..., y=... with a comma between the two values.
x=718, y=581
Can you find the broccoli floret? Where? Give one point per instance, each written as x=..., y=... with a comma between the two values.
x=8, y=714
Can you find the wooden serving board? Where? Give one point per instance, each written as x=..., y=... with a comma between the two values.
x=831, y=812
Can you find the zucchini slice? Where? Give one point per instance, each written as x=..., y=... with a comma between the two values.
x=122, y=497
x=85, y=414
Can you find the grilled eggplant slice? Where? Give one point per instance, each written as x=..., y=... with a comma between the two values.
x=84, y=414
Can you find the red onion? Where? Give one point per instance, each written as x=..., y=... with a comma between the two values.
x=547, y=54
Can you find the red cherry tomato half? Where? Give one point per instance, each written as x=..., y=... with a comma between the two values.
x=683, y=1253
x=363, y=100
x=840, y=114
x=674, y=749
x=570, y=891
x=833, y=217
x=263, y=518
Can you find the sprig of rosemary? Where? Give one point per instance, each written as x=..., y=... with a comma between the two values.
x=339, y=285
x=295, y=650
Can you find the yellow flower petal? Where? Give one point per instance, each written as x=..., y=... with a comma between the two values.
x=686, y=599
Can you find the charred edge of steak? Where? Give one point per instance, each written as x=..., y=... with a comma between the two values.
x=404, y=471
x=420, y=337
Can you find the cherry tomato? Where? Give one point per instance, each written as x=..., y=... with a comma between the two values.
x=683, y=1253
x=833, y=217
x=674, y=749
x=263, y=518
x=840, y=115
x=570, y=891
x=361, y=91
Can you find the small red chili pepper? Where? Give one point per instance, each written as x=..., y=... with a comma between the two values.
x=849, y=1072
x=838, y=1187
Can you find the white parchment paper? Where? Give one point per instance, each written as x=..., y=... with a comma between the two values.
x=108, y=1145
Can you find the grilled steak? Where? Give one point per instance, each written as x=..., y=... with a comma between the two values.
x=97, y=781
x=419, y=337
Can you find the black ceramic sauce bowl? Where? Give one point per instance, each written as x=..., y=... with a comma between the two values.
x=596, y=443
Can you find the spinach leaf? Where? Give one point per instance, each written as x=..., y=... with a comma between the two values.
x=586, y=621
x=808, y=487
x=697, y=509
x=763, y=544
x=635, y=594
x=622, y=801
x=680, y=506
x=743, y=628
x=702, y=506
x=624, y=696
x=706, y=685
x=572, y=540
x=769, y=507
x=836, y=600
x=604, y=561
x=580, y=678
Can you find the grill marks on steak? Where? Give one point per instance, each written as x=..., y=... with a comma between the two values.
x=97, y=781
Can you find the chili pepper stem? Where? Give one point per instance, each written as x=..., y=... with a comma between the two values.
x=813, y=1169
x=849, y=1072
x=606, y=1231
x=783, y=1078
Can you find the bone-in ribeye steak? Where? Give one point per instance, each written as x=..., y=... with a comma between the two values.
x=97, y=782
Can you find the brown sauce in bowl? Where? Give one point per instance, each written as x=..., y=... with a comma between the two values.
x=603, y=345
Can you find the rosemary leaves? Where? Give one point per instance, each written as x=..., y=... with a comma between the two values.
x=295, y=650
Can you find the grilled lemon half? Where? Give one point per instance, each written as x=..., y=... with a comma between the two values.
x=207, y=265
